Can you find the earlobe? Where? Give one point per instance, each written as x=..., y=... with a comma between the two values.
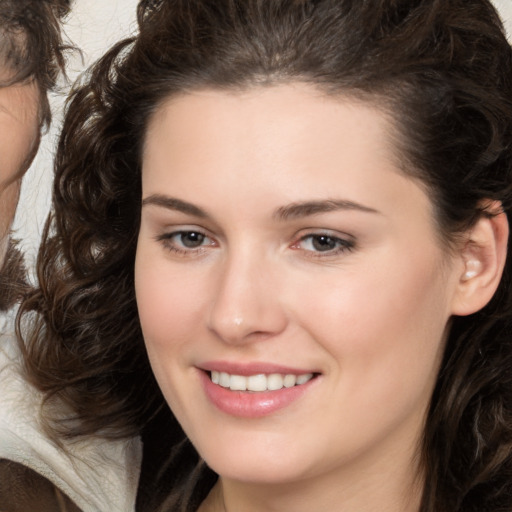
x=483, y=260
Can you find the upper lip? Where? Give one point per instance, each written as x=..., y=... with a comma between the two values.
x=253, y=368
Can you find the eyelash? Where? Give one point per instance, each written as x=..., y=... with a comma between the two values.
x=342, y=245
x=167, y=241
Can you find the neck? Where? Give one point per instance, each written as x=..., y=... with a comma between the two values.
x=384, y=490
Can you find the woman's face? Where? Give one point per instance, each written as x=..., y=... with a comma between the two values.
x=281, y=246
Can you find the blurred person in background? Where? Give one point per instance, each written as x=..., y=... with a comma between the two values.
x=35, y=473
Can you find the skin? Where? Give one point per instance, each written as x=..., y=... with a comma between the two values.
x=19, y=138
x=370, y=317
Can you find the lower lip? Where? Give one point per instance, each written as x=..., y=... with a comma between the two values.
x=246, y=404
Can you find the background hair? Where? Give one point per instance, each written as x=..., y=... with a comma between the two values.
x=13, y=282
x=31, y=45
x=441, y=69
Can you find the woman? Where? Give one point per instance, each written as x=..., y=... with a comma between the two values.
x=296, y=213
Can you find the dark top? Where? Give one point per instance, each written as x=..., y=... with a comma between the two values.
x=24, y=490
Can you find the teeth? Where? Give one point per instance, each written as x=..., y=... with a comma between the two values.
x=237, y=383
x=224, y=380
x=275, y=382
x=257, y=383
x=290, y=381
x=260, y=382
x=302, y=379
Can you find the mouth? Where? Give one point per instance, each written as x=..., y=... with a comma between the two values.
x=255, y=389
x=260, y=382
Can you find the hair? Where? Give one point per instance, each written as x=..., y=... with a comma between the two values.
x=31, y=45
x=442, y=71
x=13, y=282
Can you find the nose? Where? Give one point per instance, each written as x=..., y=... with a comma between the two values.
x=246, y=305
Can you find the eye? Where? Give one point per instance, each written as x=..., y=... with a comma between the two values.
x=324, y=243
x=190, y=239
x=185, y=241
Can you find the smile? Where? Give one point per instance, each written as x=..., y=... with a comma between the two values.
x=259, y=382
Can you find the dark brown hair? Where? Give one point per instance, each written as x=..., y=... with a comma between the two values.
x=13, y=282
x=442, y=69
x=31, y=44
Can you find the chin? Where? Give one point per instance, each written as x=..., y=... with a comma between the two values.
x=258, y=462
x=259, y=472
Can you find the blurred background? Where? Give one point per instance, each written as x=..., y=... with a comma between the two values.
x=92, y=26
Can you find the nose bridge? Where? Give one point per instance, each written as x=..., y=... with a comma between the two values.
x=245, y=303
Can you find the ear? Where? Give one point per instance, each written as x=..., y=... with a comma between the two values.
x=483, y=258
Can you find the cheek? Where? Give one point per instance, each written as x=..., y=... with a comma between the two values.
x=169, y=306
x=382, y=324
x=8, y=202
x=18, y=145
x=170, y=315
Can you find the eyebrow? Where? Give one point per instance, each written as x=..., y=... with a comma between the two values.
x=291, y=211
x=172, y=203
x=307, y=208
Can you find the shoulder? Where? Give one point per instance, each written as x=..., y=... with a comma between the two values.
x=24, y=490
x=96, y=473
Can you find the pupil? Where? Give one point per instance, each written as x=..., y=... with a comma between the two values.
x=323, y=243
x=192, y=239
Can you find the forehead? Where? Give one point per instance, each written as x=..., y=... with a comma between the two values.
x=290, y=127
x=263, y=148
x=276, y=118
